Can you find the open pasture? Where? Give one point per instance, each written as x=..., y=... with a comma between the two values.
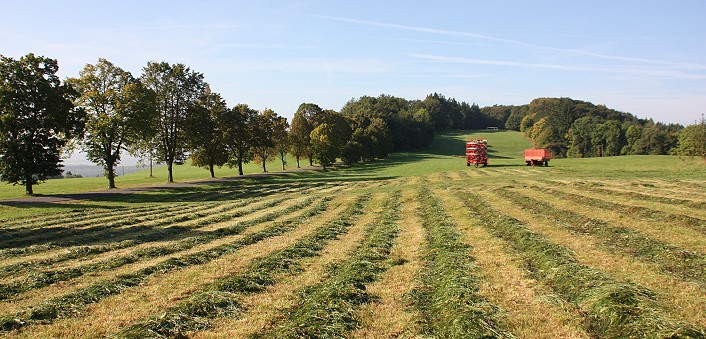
x=415, y=245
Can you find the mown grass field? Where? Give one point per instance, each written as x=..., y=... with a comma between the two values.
x=416, y=245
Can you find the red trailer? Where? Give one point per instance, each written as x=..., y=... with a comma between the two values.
x=477, y=152
x=538, y=157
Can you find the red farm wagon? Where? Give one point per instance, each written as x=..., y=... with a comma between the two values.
x=477, y=152
x=538, y=157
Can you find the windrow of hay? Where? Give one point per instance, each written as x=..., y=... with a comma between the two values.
x=48, y=277
x=222, y=297
x=683, y=300
x=448, y=296
x=673, y=259
x=331, y=309
x=137, y=234
x=391, y=315
x=645, y=213
x=612, y=309
x=653, y=195
x=264, y=309
x=73, y=303
x=532, y=308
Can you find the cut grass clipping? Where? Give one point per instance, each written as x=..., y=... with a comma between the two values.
x=46, y=278
x=448, y=297
x=329, y=310
x=612, y=309
x=672, y=259
x=221, y=297
x=75, y=302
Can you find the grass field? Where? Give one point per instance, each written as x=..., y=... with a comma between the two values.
x=415, y=245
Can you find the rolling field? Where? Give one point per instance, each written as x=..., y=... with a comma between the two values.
x=416, y=245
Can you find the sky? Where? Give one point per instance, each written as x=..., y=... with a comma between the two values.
x=644, y=57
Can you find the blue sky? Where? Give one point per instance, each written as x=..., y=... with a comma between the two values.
x=643, y=57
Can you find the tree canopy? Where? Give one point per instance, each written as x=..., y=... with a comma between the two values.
x=37, y=119
x=119, y=109
x=176, y=88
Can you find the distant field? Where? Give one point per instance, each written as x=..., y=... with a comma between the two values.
x=416, y=245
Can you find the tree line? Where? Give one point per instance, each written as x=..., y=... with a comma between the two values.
x=574, y=128
x=169, y=113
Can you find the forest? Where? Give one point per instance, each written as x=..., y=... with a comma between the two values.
x=169, y=114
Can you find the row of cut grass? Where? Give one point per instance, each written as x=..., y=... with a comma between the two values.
x=448, y=297
x=672, y=259
x=330, y=308
x=645, y=213
x=643, y=196
x=221, y=298
x=46, y=278
x=87, y=227
x=612, y=309
x=75, y=302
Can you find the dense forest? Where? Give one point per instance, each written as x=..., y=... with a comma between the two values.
x=169, y=114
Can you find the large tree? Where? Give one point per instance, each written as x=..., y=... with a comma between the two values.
x=330, y=137
x=262, y=141
x=177, y=88
x=692, y=140
x=205, y=131
x=280, y=136
x=237, y=135
x=37, y=119
x=300, y=133
x=119, y=110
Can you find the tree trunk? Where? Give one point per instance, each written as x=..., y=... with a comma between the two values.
x=264, y=167
x=240, y=166
x=210, y=168
x=28, y=186
x=110, y=173
x=170, y=177
x=151, y=176
x=297, y=161
x=311, y=161
x=111, y=178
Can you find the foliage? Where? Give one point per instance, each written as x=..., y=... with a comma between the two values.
x=692, y=141
x=329, y=137
x=262, y=142
x=300, y=134
x=119, y=109
x=37, y=119
x=205, y=131
x=237, y=135
x=410, y=124
x=280, y=137
x=177, y=88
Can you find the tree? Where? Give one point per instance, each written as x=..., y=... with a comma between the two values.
x=118, y=108
x=262, y=141
x=205, y=131
x=237, y=136
x=176, y=87
x=692, y=140
x=280, y=136
x=37, y=119
x=300, y=134
x=329, y=137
